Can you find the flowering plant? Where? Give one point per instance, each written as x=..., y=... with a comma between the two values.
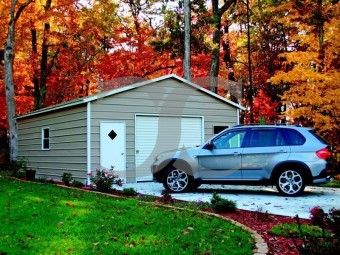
x=104, y=179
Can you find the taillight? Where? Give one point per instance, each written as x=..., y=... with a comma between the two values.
x=324, y=153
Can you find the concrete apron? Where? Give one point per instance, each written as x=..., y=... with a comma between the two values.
x=254, y=198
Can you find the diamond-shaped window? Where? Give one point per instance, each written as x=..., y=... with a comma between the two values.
x=112, y=134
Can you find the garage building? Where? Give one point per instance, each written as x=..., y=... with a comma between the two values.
x=125, y=128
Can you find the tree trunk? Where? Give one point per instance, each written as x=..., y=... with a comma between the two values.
x=215, y=61
x=43, y=68
x=9, y=81
x=251, y=89
x=9, y=84
x=187, y=32
x=35, y=78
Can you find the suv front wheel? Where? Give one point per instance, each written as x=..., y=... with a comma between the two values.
x=177, y=180
x=290, y=182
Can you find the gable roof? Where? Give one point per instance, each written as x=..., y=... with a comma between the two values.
x=84, y=100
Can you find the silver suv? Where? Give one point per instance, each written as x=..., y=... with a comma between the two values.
x=288, y=157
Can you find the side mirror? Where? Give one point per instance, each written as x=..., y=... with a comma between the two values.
x=209, y=146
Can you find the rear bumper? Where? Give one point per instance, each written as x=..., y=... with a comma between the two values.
x=324, y=177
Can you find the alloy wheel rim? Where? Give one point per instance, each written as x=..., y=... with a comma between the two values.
x=290, y=182
x=177, y=180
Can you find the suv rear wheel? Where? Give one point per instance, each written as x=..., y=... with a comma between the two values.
x=177, y=180
x=290, y=182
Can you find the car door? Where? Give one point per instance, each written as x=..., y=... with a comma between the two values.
x=264, y=148
x=220, y=159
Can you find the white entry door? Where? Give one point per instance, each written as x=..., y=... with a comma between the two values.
x=112, y=146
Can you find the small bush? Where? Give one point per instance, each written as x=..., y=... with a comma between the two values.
x=317, y=216
x=293, y=229
x=78, y=184
x=67, y=178
x=333, y=222
x=326, y=244
x=104, y=179
x=220, y=204
x=129, y=192
x=16, y=168
x=166, y=197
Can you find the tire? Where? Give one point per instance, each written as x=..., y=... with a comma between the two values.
x=177, y=180
x=194, y=185
x=290, y=182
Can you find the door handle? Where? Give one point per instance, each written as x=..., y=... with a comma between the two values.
x=236, y=154
x=282, y=151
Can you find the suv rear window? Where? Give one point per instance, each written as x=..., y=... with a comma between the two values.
x=318, y=137
x=294, y=137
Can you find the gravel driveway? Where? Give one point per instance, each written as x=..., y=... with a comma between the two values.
x=255, y=198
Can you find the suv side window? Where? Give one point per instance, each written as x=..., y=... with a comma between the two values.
x=266, y=138
x=233, y=139
x=294, y=137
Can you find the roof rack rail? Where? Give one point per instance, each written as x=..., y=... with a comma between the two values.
x=268, y=124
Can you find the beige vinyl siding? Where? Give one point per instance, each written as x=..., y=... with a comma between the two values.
x=163, y=98
x=67, y=151
x=68, y=124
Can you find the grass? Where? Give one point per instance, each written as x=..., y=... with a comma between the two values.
x=332, y=184
x=39, y=218
x=292, y=229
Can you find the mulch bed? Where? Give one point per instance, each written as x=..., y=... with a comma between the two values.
x=261, y=223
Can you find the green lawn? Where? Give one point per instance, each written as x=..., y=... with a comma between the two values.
x=38, y=218
x=332, y=184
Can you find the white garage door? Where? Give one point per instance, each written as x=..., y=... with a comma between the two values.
x=155, y=134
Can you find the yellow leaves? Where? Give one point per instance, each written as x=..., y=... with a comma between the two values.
x=299, y=74
x=300, y=57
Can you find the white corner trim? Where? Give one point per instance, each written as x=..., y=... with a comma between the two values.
x=88, y=141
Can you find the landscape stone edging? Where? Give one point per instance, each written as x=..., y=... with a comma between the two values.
x=261, y=245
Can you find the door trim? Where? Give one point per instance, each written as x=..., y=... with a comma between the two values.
x=124, y=149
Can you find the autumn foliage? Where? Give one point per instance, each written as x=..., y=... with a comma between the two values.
x=66, y=49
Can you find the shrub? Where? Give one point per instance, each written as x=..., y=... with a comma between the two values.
x=333, y=221
x=67, y=178
x=300, y=231
x=220, y=204
x=129, y=192
x=104, y=179
x=325, y=245
x=166, y=197
x=16, y=168
x=317, y=216
x=76, y=183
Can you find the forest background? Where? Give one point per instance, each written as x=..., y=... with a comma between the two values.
x=278, y=58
